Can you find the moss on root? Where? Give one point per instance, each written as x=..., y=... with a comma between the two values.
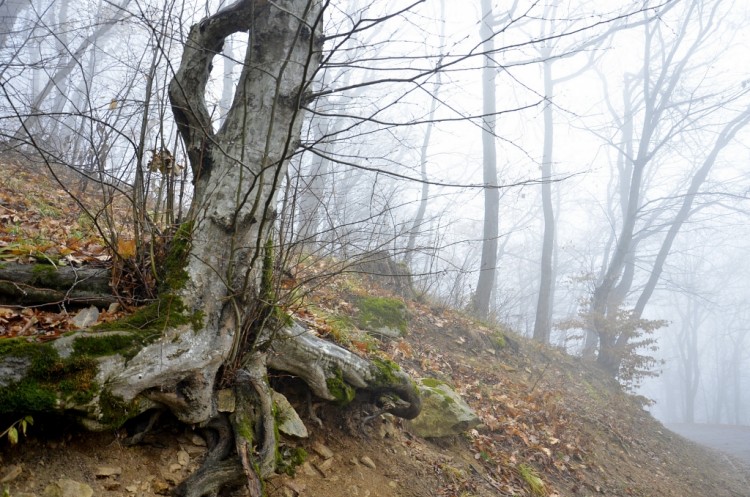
x=174, y=276
x=127, y=345
x=114, y=411
x=168, y=311
x=50, y=382
x=340, y=389
x=385, y=372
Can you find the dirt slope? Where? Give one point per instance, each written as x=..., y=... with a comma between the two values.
x=542, y=411
x=552, y=425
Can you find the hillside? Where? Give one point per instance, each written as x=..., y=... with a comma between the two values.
x=551, y=424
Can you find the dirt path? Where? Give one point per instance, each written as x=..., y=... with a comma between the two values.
x=733, y=440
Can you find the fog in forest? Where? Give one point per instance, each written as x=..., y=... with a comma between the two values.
x=577, y=171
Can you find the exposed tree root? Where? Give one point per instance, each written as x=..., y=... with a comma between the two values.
x=219, y=469
x=325, y=366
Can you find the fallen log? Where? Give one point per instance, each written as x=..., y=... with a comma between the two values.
x=41, y=284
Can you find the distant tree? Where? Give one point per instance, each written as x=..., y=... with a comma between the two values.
x=662, y=102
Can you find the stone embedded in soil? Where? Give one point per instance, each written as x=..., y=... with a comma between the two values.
x=322, y=450
x=105, y=471
x=172, y=478
x=295, y=487
x=175, y=468
x=13, y=471
x=367, y=462
x=325, y=467
x=183, y=458
x=308, y=469
x=86, y=317
x=290, y=424
x=68, y=488
x=198, y=440
x=444, y=413
x=160, y=486
x=195, y=450
x=132, y=488
x=112, y=485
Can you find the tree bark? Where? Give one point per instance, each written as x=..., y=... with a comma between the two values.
x=39, y=284
x=544, y=301
x=490, y=231
x=216, y=308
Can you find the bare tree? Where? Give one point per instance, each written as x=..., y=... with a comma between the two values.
x=665, y=115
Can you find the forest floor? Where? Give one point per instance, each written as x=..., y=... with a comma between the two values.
x=552, y=425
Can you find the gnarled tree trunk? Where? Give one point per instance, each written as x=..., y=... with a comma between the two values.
x=210, y=318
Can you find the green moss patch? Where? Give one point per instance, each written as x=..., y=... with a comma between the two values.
x=114, y=410
x=385, y=372
x=168, y=311
x=432, y=386
x=50, y=379
x=376, y=313
x=127, y=344
x=174, y=276
x=340, y=389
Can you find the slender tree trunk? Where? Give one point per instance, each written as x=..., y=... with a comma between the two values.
x=490, y=231
x=544, y=302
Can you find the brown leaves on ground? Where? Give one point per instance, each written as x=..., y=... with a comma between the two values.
x=40, y=222
x=552, y=425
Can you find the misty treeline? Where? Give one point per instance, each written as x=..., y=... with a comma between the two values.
x=575, y=170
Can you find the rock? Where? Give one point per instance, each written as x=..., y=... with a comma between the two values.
x=325, y=465
x=195, y=450
x=171, y=477
x=175, y=468
x=295, y=487
x=308, y=470
x=322, y=450
x=160, y=486
x=183, y=458
x=13, y=369
x=444, y=412
x=197, y=440
x=324, y=468
x=12, y=472
x=105, y=471
x=289, y=421
x=132, y=488
x=111, y=485
x=68, y=488
x=86, y=317
x=367, y=462
x=381, y=316
x=386, y=428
